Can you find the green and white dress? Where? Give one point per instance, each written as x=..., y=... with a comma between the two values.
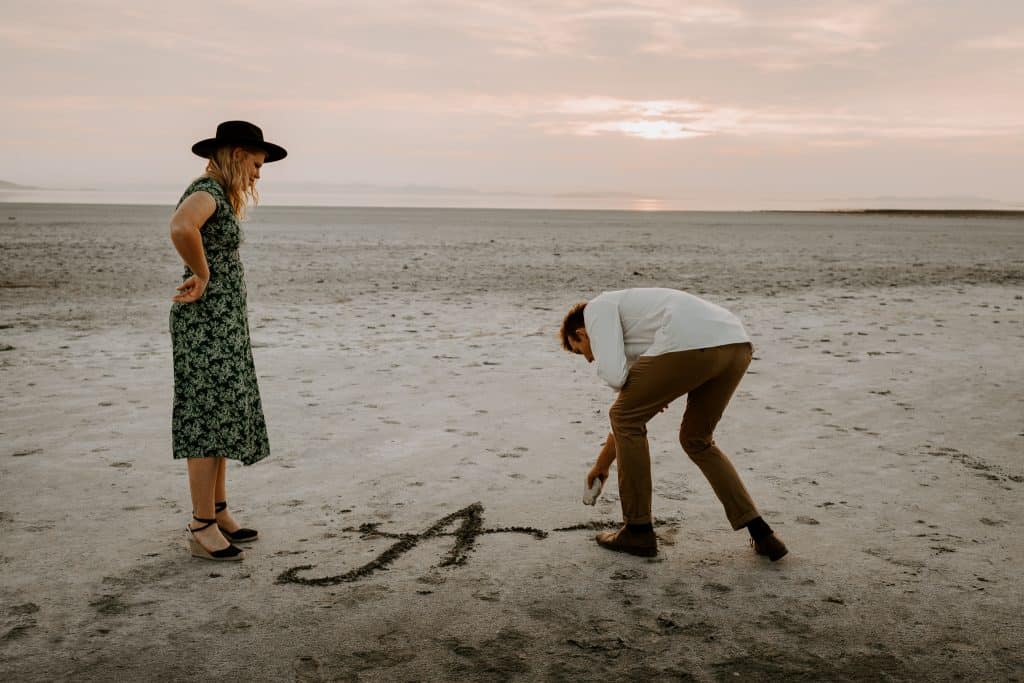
x=217, y=409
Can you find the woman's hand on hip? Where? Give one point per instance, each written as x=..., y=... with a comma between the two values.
x=191, y=290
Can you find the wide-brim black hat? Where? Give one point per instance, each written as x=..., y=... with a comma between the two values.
x=241, y=134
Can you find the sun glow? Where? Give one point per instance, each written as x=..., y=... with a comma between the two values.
x=646, y=129
x=647, y=204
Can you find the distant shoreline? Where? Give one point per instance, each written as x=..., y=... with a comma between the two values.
x=935, y=213
x=955, y=213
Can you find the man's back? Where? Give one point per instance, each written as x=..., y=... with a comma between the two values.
x=626, y=324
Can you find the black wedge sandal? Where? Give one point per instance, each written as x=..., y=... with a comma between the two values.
x=231, y=553
x=241, y=535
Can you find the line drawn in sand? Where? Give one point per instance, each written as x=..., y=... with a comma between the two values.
x=471, y=527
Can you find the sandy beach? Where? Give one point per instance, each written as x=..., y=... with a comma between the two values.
x=420, y=513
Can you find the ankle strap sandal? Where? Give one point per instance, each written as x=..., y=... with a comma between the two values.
x=231, y=553
x=241, y=535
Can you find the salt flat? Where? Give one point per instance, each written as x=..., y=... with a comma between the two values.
x=410, y=373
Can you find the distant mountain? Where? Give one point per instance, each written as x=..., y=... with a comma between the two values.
x=603, y=195
x=438, y=190
x=370, y=188
x=5, y=185
x=964, y=202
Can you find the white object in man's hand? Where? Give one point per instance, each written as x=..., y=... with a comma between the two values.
x=590, y=493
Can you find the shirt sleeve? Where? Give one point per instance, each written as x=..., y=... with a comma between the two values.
x=604, y=328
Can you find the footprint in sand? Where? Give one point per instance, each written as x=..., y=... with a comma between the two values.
x=717, y=587
x=307, y=670
x=629, y=575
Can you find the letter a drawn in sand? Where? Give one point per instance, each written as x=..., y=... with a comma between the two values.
x=465, y=538
x=472, y=517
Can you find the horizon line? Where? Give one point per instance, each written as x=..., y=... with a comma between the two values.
x=880, y=210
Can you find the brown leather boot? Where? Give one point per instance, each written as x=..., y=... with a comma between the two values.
x=642, y=543
x=771, y=545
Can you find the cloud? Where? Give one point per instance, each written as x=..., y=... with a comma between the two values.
x=575, y=27
x=683, y=119
x=771, y=38
x=646, y=119
x=613, y=105
x=37, y=36
x=645, y=129
x=1002, y=42
x=591, y=117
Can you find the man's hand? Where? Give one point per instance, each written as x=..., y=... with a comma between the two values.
x=592, y=487
x=191, y=290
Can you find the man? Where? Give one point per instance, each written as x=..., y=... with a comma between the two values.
x=653, y=346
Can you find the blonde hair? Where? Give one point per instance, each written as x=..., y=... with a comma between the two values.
x=226, y=170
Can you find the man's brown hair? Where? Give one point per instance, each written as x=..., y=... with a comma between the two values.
x=573, y=321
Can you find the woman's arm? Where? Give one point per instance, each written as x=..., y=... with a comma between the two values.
x=186, y=223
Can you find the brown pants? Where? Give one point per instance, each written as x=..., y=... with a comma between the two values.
x=708, y=377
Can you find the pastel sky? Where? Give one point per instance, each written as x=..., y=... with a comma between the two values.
x=723, y=103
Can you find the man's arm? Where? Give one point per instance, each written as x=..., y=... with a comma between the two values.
x=604, y=461
x=605, y=331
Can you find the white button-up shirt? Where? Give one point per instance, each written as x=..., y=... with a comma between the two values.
x=630, y=323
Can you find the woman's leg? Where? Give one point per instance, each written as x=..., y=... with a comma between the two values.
x=224, y=518
x=203, y=474
x=221, y=492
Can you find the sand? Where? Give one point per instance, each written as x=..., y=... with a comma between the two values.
x=421, y=515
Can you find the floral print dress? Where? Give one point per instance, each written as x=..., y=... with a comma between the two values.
x=217, y=409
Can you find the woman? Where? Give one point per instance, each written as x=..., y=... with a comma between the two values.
x=217, y=411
